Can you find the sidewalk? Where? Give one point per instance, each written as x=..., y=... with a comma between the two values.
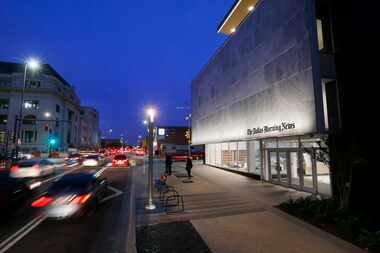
x=236, y=214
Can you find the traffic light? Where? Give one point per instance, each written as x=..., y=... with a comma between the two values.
x=52, y=141
x=188, y=134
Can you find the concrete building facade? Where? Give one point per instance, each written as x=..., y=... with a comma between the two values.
x=260, y=103
x=51, y=109
x=90, y=130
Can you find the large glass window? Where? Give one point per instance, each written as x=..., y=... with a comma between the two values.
x=218, y=154
x=255, y=157
x=233, y=164
x=242, y=156
x=323, y=178
x=226, y=155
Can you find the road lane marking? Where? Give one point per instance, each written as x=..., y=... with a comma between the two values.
x=21, y=233
x=26, y=229
x=18, y=232
x=117, y=193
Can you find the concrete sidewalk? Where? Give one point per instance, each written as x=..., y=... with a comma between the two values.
x=236, y=214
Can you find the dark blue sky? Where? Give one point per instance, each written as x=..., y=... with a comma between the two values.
x=121, y=55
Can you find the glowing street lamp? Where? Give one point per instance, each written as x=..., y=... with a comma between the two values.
x=150, y=113
x=32, y=64
x=47, y=114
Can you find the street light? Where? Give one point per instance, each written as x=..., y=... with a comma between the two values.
x=150, y=113
x=47, y=114
x=33, y=64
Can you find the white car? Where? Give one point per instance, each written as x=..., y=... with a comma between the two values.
x=93, y=160
x=32, y=168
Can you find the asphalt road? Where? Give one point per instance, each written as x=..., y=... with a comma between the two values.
x=103, y=230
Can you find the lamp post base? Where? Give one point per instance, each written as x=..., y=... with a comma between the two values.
x=150, y=206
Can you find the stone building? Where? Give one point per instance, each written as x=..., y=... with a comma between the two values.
x=50, y=113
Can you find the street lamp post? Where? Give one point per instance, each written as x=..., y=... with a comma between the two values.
x=150, y=205
x=32, y=64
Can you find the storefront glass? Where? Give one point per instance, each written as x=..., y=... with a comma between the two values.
x=242, y=160
x=297, y=162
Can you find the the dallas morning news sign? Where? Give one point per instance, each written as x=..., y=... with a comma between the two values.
x=284, y=126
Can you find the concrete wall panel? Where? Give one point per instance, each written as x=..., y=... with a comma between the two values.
x=262, y=76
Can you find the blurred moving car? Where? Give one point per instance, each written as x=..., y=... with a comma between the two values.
x=139, y=152
x=93, y=160
x=120, y=160
x=74, y=158
x=73, y=195
x=32, y=168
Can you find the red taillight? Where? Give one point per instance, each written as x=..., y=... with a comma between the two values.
x=14, y=168
x=81, y=199
x=41, y=202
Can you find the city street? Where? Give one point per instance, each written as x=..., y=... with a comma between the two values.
x=102, y=230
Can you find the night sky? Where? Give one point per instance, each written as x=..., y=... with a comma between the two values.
x=121, y=55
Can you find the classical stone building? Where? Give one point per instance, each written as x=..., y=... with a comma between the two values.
x=50, y=113
x=90, y=131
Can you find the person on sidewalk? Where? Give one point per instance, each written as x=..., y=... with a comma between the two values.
x=189, y=166
x=168, y=164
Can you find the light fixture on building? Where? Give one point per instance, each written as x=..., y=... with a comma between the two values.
x=250, y=8
x=233, y=30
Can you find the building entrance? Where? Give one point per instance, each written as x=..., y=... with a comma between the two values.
x=291, y=168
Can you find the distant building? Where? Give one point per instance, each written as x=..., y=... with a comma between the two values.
x=170, y=139
x=90, y=132
x=111, y=143
x=50, y=108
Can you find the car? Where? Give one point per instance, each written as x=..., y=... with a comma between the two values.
x=74, y=158
x=32, y=168
x=139, y=152
x=93, y=160
x=120, y=160
x=72, y=196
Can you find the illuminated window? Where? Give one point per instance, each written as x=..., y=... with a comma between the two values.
x=32, y=104
x=321, y=42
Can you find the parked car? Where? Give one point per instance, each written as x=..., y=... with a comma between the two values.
x=32, y=168
x=93, y=160
x=72, y=196
x=120, y=161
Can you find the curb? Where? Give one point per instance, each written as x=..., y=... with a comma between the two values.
x=131, y=232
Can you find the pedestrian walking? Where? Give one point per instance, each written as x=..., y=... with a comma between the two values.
x=168, y=164
x=189, y=166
